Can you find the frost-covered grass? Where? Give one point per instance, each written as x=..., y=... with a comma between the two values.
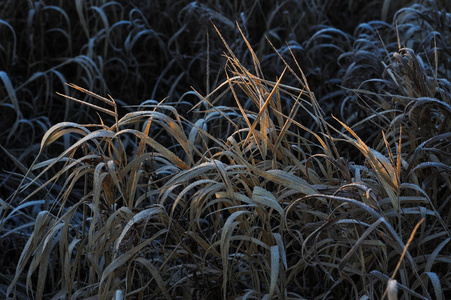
x=247, y=151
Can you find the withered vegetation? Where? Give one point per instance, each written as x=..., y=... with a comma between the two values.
x=225, y=149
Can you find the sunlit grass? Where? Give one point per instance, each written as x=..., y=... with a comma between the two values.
x=289, y=158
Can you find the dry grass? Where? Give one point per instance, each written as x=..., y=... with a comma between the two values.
x=312, y=169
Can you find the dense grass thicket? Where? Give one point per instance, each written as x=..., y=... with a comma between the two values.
x=225, y=149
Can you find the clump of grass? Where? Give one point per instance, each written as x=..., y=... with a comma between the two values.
x=408, y=106
x=256, y=192
x=141, y=52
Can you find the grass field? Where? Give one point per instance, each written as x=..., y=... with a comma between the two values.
x=225, y=149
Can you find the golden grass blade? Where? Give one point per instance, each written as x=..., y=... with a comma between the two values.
x=243, y=113
x=264, y=125
x=104, y=110
x=404, y=252
x=387, y=146
x=146, y=132
x=384, y=170
x=103, y=99
x=235, y=59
